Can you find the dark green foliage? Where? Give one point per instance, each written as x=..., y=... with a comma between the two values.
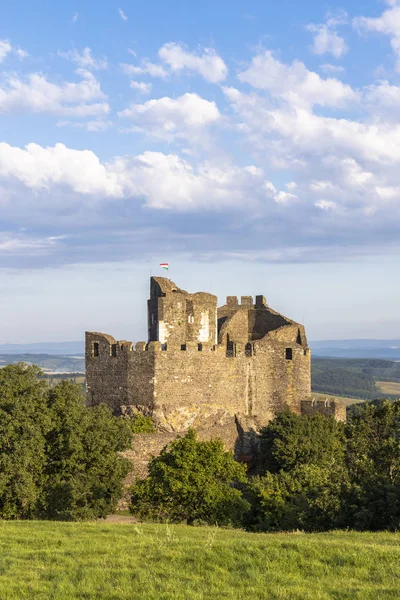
x=84, y=473
x=322, y=475
x=24, y=422
x=291, y=440
x=58, y=458
x=373, y=460
x=192, y=481
x=309, y=497
x=141, y=423
x=305, y=479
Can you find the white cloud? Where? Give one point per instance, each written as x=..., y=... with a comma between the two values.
x=143, y=88
x=325, y=204
x=146, y=68
x=84, y=59
x=5, y=48
x=388, y=24
x=20, y=244
x=327, y=41
x=41, y=168
x=122, y=14
x=328, y=68
x=74, y=18
x=91, y=126
x=164, y=181
x=208, y=64
x=295, y=83
x=21, y=53
x=285, y=197
x=38, y=95
x=166, y=118
x=337, y=17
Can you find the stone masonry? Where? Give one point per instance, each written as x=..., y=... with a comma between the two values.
x=213, y=369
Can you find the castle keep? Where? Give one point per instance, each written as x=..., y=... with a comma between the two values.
x=203, y=366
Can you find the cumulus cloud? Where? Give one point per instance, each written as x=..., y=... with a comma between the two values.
x=38, y=95
x=207, y=62
x=327, y=41
x=165, y=181
x=388, y=23
x=166, y=118
x=176, y=58
x=143, y=88
x=84, y=59
x=146, y=68
x=295, y=83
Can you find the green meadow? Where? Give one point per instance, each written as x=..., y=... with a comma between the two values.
x=101, y=560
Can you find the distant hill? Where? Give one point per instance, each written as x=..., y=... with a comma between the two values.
x=58, y=348
x=385, y=349
x=47, y=362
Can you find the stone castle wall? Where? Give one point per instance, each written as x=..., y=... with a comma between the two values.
x=187, y=385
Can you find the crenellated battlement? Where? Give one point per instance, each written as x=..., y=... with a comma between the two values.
x=330, y=407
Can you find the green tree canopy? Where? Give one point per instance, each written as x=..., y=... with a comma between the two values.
x=24, y=423
x=291, y=440
x=192, y=481
x=58, y=458
x=84, y=473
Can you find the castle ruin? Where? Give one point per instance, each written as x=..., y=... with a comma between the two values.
x=205, y=367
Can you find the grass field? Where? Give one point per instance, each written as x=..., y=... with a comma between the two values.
x=62, y=561
x=388, y=387
x=347, y=401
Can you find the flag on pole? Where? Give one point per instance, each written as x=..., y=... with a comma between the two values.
x=164, y=266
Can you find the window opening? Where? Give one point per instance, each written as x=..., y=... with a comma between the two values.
x=95, y=349
x=199, y=347
x=289, y=353
x=248, y=350
x=113, y=349
x=183, y=347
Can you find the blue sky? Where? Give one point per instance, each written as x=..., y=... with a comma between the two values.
x=255, y=146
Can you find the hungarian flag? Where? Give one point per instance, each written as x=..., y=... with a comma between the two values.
x=164, y=266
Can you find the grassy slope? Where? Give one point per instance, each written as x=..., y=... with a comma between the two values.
x=388, y=387
x=159, y=562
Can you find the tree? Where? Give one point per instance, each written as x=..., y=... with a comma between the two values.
x=84, y=472
x=308, y=497
x=373, y=460
x=192, y=481
x=291, y=440
x=304, y=481
x=24, y=423
x=58, y=458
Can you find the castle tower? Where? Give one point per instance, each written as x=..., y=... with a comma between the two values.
x=176, y=317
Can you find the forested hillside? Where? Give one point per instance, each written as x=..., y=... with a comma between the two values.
x=356, y=378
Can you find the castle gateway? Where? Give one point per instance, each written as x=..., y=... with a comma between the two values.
x=205, y=366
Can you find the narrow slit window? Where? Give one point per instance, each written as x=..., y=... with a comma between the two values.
x=199, y=347
x=95, y=349
x=113, y=349
x=289, y=354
